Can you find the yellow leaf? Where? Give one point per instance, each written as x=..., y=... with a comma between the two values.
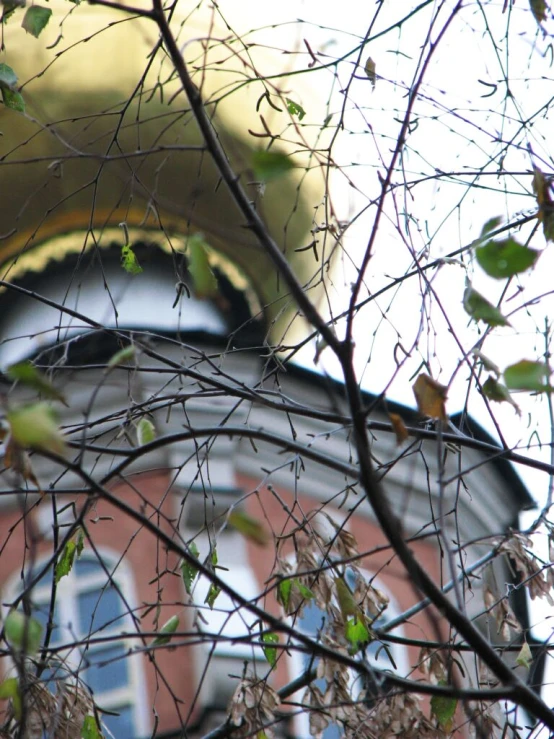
x=370, y=71
x=146, y=431
x=205, y=282
x=27, y=374
x=249, y=527
x=166, y=632
x=541, y=188
x=399, y=428
x=17, y=459
x=347, y=602
x=430, y=396
x=525, y=656
x=35, y=427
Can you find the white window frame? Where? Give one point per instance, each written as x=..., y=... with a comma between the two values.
x=68, y=591
x=214, y=661
x=399, y=653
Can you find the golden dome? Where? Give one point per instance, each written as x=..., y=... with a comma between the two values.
x=108, y=138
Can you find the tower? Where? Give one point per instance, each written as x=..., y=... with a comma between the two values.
x=194, y=430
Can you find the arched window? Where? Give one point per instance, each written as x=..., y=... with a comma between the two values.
x=91, y=610
x=382, y=655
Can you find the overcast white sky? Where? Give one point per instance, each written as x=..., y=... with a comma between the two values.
x=442, y=215
x=457, y=130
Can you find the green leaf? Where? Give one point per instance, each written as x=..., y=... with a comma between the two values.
x=286, y=588
x=10, y=689
x=269, y=651
x=129, y=261
x=204, y=280
x=23, y=633
x=527, y=375
x=347, y=603
x=525, y=656
x=213, y=592
x=502, y=259
x=35, y=427
x=355, y=623
x=73, y=547
x=27, y=374
x=305, y=591
x=127, y=354
x=479, y=308
x=13, y=100
x=166, y=632
x=488, y=364
x=295, y=109
x=9, y=9
x=80, y=542
x=357, y=633
x=146, y=431
x=283, y=592
x=444, y=708
x=64, y=564
x=8, y=77
x=491, y=225
x=90, y=729
x=249, y=527
x=499, y=393
x=189, y=571
x=35, y=19
x=270, y=165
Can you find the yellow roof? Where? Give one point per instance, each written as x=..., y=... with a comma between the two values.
x=108, y=138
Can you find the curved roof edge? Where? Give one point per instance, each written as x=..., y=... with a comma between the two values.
x=521, y=496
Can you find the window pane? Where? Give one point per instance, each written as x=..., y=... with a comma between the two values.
x=106, y=671
x=122, y=726
x=86, y=567
x=379, y=656
x=40, y=611
x=313, y=618
x=53, y=676
x=104, y=604
x=45, y=580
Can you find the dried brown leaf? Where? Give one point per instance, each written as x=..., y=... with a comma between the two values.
x=18, y=460
x=430, y=396
x=399, y=428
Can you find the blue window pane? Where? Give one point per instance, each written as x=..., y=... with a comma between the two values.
x=313, y=618
x=122, y=726
x=98, y=608
x=108, y=668
x=379, y=656
x=86, y=567
x=53, y=676
x=40, y=612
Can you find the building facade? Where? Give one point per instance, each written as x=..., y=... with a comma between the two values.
x=197, y=432
x=210, y=402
